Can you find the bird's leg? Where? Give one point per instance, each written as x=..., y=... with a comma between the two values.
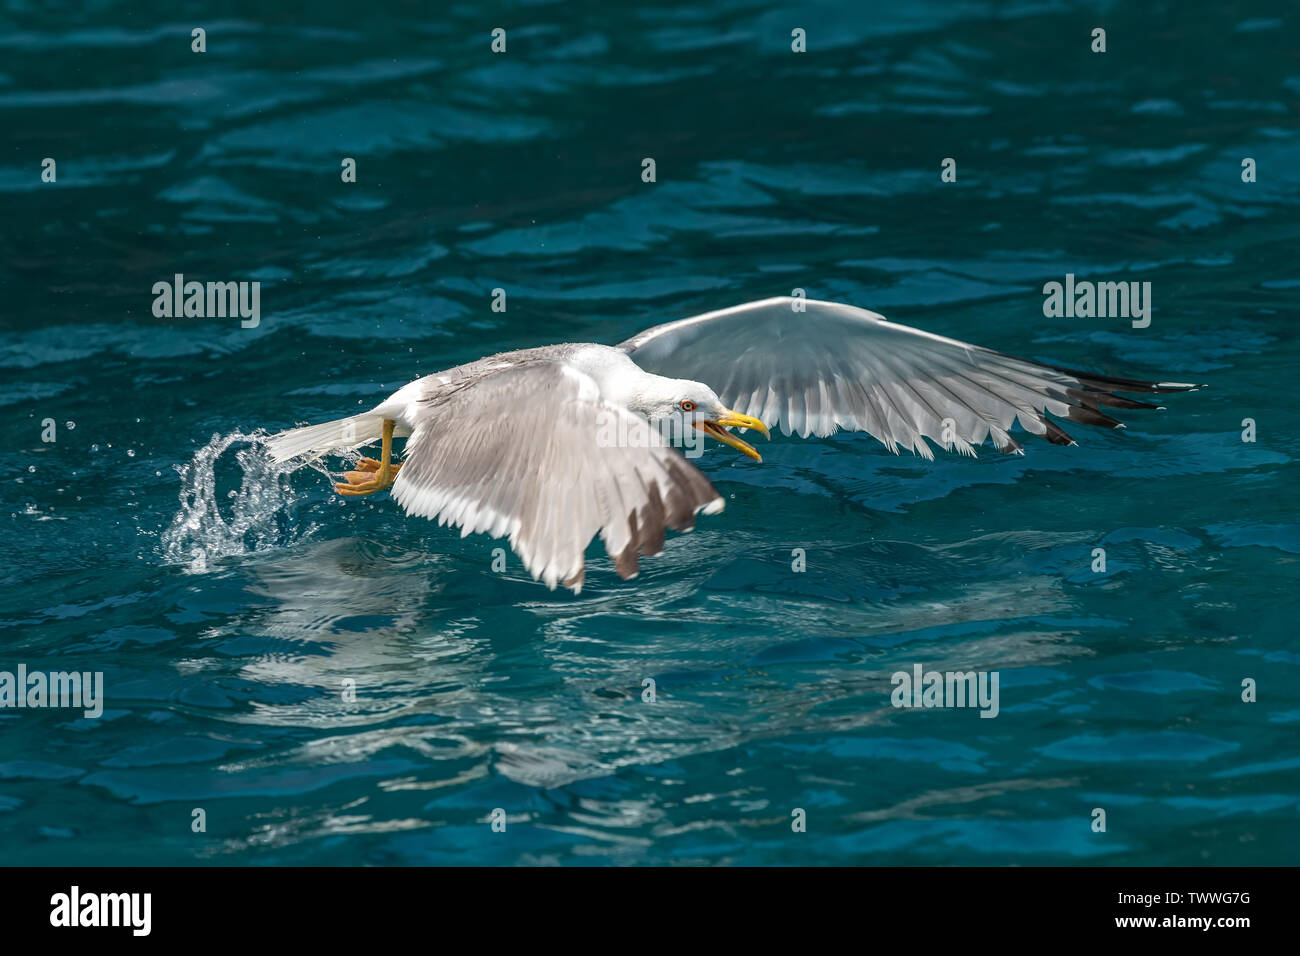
x=370, y=475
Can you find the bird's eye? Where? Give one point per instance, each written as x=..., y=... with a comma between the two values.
x=686, y=405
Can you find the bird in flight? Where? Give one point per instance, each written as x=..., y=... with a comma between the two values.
x=552, y=446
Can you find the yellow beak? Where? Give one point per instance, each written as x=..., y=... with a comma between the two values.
x=717, y=428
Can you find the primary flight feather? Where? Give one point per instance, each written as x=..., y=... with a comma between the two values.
x=552, y=446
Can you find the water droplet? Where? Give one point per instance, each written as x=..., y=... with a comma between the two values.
x=256, y=517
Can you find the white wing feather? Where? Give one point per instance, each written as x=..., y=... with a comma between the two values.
x=527, y=453
x=815, y=367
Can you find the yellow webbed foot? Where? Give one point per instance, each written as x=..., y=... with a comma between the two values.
x=369, y=475
x=367, y=470
x=355, y=488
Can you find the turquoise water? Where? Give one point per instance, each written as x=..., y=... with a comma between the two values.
x=227, y=602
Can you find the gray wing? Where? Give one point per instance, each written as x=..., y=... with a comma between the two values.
x=534, y=453
x=834, y=366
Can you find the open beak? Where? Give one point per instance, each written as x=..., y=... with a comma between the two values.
x=717, y=428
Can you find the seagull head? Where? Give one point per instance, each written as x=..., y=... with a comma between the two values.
x=697, y=405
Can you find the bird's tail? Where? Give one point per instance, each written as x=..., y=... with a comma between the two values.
x=317, y=439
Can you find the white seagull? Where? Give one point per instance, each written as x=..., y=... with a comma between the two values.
x=551, y=446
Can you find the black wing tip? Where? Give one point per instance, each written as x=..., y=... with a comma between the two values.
x=1100, y=382
x=1055, y=433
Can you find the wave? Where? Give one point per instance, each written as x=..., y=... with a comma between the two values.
x=259, y=515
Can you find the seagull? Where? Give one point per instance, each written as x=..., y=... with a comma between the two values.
x=552, y=446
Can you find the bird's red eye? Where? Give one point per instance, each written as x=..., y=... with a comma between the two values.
x=686, y=405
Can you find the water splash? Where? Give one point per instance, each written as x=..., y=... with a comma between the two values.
x=259, y=516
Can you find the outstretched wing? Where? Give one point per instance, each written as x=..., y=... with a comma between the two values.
x=534, y=453
x=834, y=366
